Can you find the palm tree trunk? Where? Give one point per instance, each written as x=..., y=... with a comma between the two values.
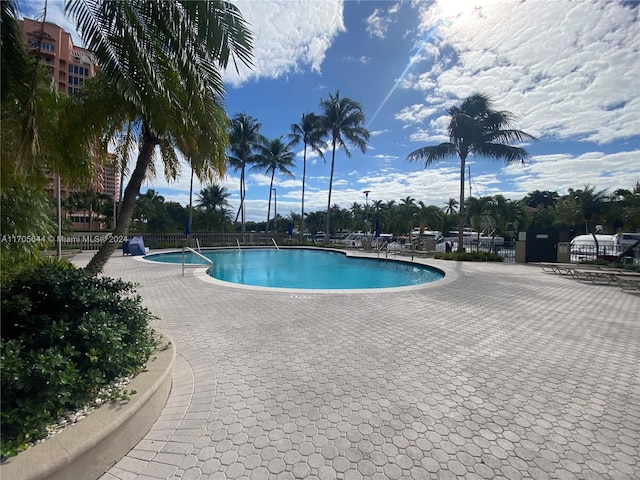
x=190, y=224
x=269, y=207
x=463, y=159
x=242, y=194
x=304, y=175
x=328, y=222
x=100, y=259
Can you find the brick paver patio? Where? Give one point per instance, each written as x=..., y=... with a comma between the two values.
x=502, y=371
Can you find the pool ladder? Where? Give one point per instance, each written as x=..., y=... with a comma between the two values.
x=198, y=254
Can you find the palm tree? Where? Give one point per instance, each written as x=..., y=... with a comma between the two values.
x=589, y=203
x=342, y=120
x=163, y=62
x=408, y=213
x=244, y=140
x=475, y=128
x=451, y=206
x=211, y=199
x=315, y=221
x=274, y=156
x=430, y=216
x=477, y=208
x=309, y=131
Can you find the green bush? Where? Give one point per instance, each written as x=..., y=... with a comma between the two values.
x=65, y=335
x=470, y=256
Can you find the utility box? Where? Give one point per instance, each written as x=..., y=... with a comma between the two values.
x=521, y=251
x=429, y=245
x=564, y=252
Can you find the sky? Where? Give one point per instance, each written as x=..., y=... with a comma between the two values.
x=569, y=72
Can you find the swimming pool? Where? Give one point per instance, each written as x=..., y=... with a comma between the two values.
x=306, y=269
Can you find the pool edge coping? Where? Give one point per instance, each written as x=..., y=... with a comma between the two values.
x=200, y=272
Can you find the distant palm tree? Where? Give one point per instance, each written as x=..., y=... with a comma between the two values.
x=589, y=203
x=309, y=132
x=212, y=199
x=315, y=220
x=274, y=156
x=342, y=120
x=408, y=210
x=430, y=216
x=451, y=206
x=506, y=213
x=244, y=140
x=147, y=208
x=475, y=128
x=476, y=209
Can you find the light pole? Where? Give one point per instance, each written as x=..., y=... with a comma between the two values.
x=366, y=209
x=275, y=209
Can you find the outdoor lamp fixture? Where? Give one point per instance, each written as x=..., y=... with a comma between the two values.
x=275, y=209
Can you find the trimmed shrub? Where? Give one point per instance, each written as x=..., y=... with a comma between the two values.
x=470, y=256
x=65, y=335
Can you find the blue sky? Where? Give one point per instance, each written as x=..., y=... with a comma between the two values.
x=567, y=70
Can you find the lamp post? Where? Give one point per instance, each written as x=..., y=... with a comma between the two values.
x=275, y=209
x=366, y=209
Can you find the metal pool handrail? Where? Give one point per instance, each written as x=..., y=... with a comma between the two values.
x=274, y=242
x=208, y=260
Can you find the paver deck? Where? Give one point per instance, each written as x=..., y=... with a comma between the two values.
x=503, y=371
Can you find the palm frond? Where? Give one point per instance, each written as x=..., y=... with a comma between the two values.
x=499, y=151
x=433, y=154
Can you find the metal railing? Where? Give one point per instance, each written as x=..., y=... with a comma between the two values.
x=274, y=242
x=385, y=246
x=208, y=260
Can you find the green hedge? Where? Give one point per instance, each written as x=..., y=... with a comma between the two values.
x=470, y=256
x=65, y=335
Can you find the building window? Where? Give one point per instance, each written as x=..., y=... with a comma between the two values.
x=45, y=47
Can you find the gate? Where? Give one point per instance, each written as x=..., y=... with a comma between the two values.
x=542, y=246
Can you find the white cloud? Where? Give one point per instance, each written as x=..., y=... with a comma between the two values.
x=375, y=133
x=569, y=70
x=362, y=59
x=416, y=113
x=379, y=20
x=376, y=24
x=559, y=172
x=287, y=36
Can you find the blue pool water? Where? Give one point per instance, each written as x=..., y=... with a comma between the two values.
x=306, y=269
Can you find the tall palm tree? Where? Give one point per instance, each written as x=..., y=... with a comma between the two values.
x=451, y=206
x=342, y=122
x=475, y=128
x=309, y=132
x=164, y=61
x=274, y=156
x=244, y=140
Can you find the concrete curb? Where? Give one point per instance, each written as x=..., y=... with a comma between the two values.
x=90, y=447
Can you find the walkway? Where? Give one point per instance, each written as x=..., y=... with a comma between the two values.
x=502, y=372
